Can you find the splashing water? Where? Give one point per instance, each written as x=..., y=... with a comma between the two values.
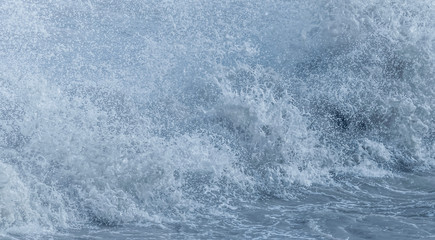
x=217, y=119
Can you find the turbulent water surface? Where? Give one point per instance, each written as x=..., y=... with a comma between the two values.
x=235, y=119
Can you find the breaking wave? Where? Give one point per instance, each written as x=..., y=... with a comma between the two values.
x=131, y=112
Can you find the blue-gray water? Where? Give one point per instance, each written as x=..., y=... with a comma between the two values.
x=291, y=119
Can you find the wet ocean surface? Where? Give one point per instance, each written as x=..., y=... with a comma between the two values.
x=217, y=119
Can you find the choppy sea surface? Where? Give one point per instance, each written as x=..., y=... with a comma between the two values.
x=232, y=119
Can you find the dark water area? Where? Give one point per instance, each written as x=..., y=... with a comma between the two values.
x=217, y=119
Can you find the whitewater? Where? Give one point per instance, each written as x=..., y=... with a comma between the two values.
x=231, y=119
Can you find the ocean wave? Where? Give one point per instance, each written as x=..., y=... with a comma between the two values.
x=133, y=112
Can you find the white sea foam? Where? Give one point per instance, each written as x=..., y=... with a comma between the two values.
x=117, y=113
